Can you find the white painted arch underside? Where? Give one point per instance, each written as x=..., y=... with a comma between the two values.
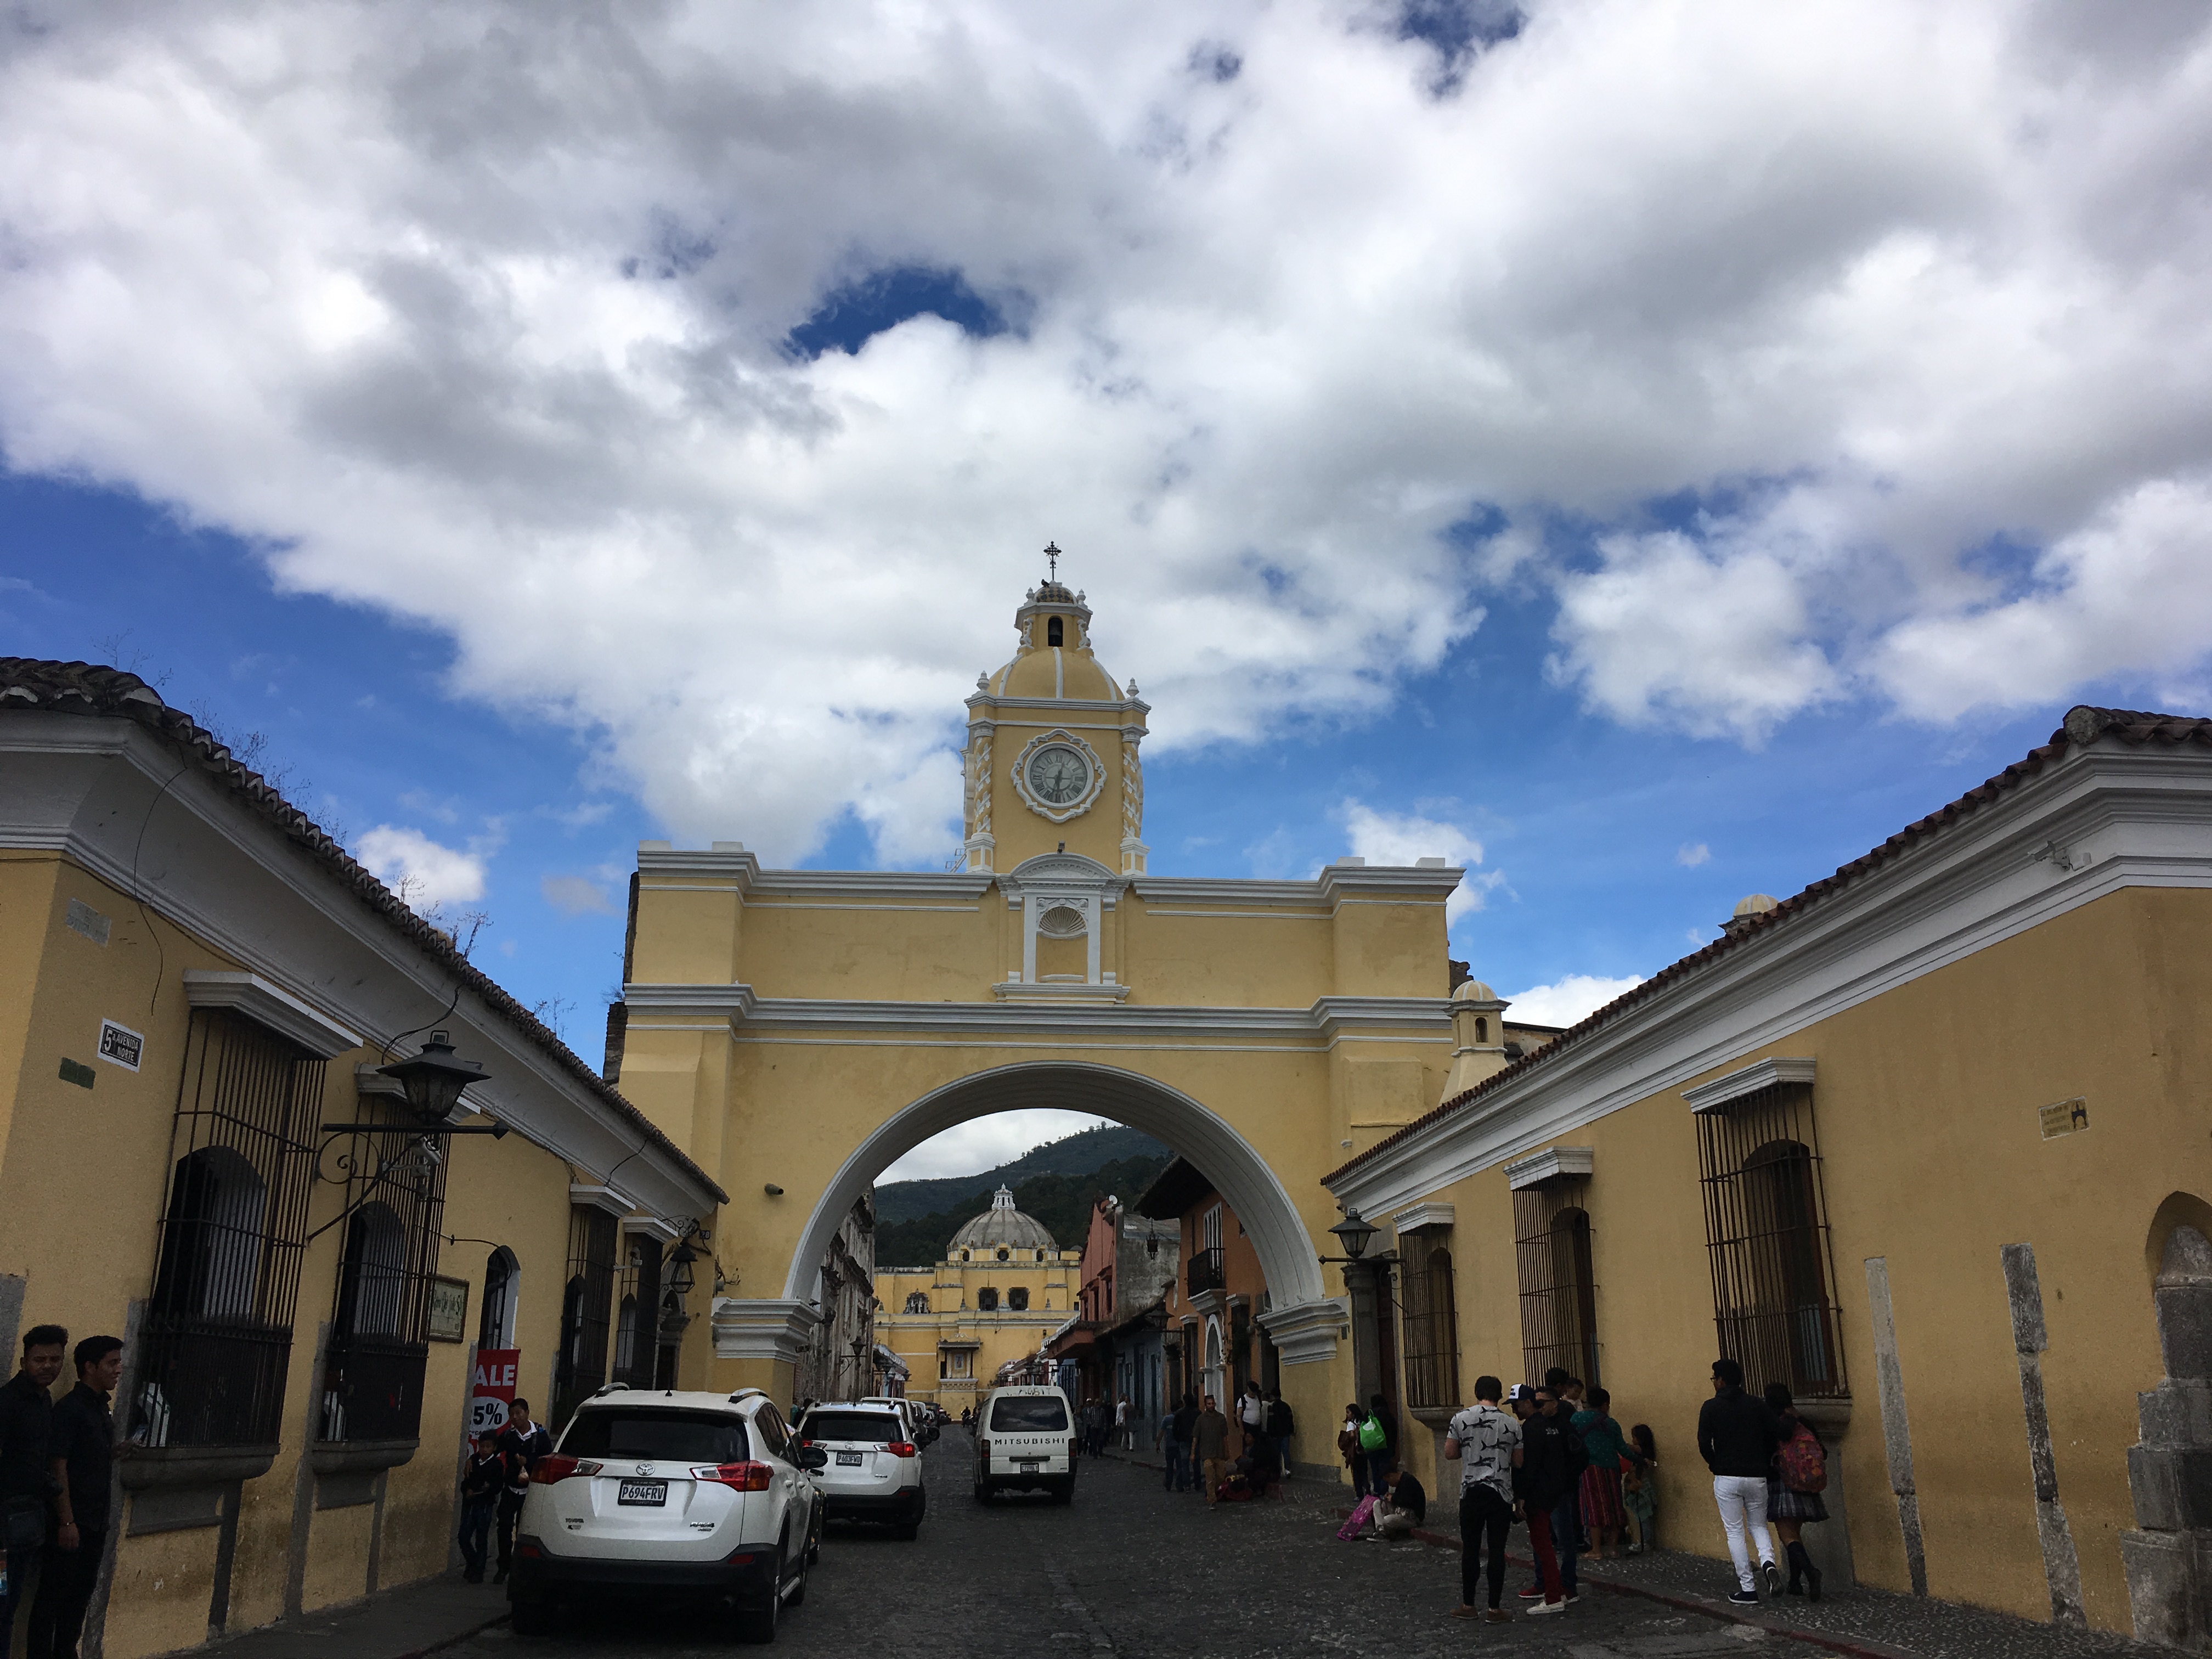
x=1242, y=1177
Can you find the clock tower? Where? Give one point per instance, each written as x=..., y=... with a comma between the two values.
x=1051, y=764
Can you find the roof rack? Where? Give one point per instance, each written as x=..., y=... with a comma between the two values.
x=746, y=1394
x=611, y=1388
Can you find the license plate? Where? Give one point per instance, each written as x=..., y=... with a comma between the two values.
x=849, y=1459
x=642, y=1491
x=1029, y=1465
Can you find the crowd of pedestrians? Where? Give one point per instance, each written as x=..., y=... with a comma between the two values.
x=1194, y=1441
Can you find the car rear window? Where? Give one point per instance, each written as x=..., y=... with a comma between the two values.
x=1028, y=1413
x=645, y=1431
x=876, y=1428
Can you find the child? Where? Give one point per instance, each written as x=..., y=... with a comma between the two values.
x=481, y=1483
x=1639, y=1486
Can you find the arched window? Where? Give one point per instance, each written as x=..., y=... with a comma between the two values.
x=626, y=1335
x=495, y=1324
x=967, y=1255
x=1005, y=1255
x=373, y=1289
x=1040, y=1256
x=1790, y=1289
x=1052, y=631
x=986, y=1299
x=1018, y=1298
x=1431, y=1330
x=1558, y=1288
x=917, y=1302
x=211, y=1246
x=1481, y=1029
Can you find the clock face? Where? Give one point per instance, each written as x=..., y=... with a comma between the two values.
x=1058, y=776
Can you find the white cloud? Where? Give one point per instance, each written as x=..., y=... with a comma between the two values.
x=1406, y=838
x=478, y=317
x=1566, y=1001
x=574, y=895
x=433, y=873
x=1691, y=854
x=984, y=1143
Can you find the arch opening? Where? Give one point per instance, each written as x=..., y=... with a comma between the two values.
x=1286, y=1251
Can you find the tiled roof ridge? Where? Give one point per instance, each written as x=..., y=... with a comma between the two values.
x=2083, y=725
x=84, y=687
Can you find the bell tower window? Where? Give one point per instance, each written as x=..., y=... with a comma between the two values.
x=1052, y=631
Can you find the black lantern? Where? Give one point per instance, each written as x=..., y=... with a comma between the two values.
x=679, y=1270
x=434, y=1079
x=1353, y=1233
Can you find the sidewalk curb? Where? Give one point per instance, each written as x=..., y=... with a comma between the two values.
x=452, y=1641
x=1711, y=1608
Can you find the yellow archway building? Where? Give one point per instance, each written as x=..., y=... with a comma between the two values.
x=797, y=1030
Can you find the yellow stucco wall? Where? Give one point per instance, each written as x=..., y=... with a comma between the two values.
x=1926, y=1103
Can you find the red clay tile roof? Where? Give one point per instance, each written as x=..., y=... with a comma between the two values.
x=78, y=688
x=2083, y=725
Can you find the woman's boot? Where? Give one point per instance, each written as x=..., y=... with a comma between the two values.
x=1802, y=1563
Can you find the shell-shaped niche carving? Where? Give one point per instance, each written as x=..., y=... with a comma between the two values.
x=1061, y=921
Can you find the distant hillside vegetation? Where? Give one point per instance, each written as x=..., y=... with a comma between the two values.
x=1061, y=1199
x=1078, y=1154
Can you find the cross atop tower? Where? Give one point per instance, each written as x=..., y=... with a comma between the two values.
x=1052, y=559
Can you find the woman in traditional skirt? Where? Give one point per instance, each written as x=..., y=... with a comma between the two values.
x=1602, y=1511
x=1639, y=1487
x=1788, y=1507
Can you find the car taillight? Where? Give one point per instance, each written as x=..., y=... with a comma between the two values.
x=901, y=1449
x=743, y=1477
x=1073, y=1447
x=550, y=1469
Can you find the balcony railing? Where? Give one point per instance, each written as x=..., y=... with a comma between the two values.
x=210, y=1383
x=372, y=1389
x=1204, y=1272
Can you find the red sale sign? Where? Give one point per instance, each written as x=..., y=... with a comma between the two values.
x=493, y=1390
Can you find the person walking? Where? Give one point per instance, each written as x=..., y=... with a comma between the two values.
x=482, y=1477
x=521, y=1443
x=1486, y=1441
x=80, y=1450
x=1251, y=1417
x=1281, y=1426
x=1639, y=1488
x=1794, y=1486
x=1182, y=1426
x=1210, y=1440
x=1737, y=1437
x=1124, y=1429
x=1556, y=1458
x=1602, y=1514
x=1347, y=1446
x=1542, y=1467
x=26, y=1476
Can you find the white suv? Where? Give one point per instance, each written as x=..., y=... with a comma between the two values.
x=1025, y=1437
x=919, y=1428
x=874, y=1471
x=666, y=1494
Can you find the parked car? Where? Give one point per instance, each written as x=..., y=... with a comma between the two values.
x=922, y=1430
x=663, y=1496
x=1025, y=1439
x=874, y=1471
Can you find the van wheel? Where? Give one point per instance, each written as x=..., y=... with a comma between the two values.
x=530, y=1619
x=1065, y=1491
x=982, y=1492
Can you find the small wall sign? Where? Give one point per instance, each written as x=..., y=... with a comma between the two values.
x=2064, y=1117
x=121, y=1046
x=77, y=1072
x=449, y=1309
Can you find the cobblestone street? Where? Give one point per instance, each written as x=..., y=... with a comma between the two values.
x=1130, y=1569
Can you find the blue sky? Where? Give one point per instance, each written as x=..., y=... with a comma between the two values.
x=1664, y=451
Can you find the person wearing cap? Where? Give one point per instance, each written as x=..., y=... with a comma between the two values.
x=1536, y=1480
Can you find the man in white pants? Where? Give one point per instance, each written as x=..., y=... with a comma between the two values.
x=1736, y=1437
x=1122, y=1429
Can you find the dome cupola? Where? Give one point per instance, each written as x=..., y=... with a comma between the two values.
x=1002, y=1224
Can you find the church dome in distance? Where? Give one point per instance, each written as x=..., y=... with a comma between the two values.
x=1473, y=990
x=1002, y=1224
x=1054, y=658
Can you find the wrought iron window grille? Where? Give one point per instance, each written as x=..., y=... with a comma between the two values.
x=1552, y=1260
x=1430, y=1319
x=586, y=1311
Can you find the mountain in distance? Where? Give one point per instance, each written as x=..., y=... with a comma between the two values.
x=1081, y=1153
x=1057, y=1183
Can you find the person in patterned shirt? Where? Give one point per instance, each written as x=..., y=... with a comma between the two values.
x=1485, y=1441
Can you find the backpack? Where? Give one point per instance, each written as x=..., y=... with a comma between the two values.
x=1371, y=1436
x=1804, y=1462
x=1578, y=1452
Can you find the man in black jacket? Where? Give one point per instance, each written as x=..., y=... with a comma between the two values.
x=1538, y=1480
x=27, y=1481
x=1736, y=1437
x=81, y=1453
x=1555, y=1453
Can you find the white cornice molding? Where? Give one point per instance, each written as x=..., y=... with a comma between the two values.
x=590, y=1196
x=657, y=866
x=1328, y=1019
x=256, y=999
x=1424, y=1217
x=762, y=1327
x=1307, y=1333
x=1553, y=1164
x=2124, y=817
x=1750, y=1080
x=113, y=798
x=652, y=1225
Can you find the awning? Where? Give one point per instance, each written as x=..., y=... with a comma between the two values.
x=890, y=1361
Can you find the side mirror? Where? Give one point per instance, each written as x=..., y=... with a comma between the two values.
x=813, y=1457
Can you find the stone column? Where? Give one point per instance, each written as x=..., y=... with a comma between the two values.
x=2169, y=1557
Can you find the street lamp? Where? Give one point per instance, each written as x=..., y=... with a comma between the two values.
x=434, y=1079
x=1353, y=1233
x=679, y=1272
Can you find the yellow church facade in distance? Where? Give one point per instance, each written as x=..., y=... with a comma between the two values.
x=1004, y=1287
x=799, y=1030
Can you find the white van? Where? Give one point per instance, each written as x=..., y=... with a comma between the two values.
x=1026, y=1440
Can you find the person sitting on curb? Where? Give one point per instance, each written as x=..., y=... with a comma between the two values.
x=1405, y=1506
